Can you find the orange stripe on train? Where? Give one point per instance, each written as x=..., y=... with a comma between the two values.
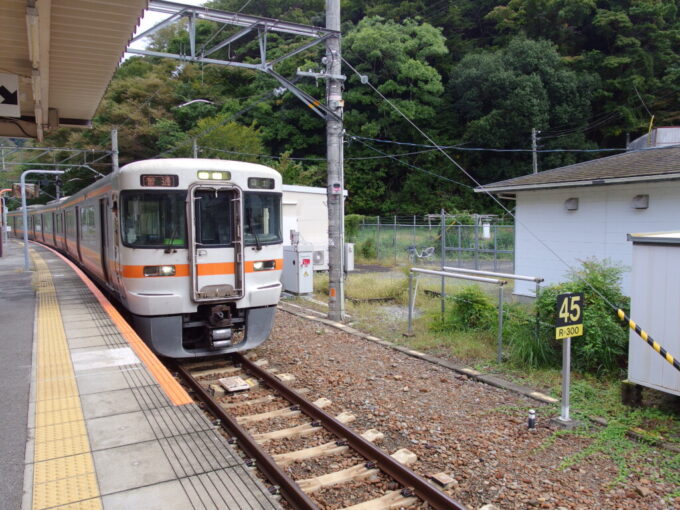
x=211, y=269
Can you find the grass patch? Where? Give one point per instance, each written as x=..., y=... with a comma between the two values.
x=365, y=287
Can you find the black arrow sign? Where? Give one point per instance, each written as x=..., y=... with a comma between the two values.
x=9, y=98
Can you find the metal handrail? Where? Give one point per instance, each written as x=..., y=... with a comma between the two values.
x=459, y=276
x=445, y=274
x=536, y=279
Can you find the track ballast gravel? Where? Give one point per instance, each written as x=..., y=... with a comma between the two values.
x=474, y=432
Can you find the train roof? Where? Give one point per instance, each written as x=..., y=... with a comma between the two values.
x=191, y=164
x=169, y=165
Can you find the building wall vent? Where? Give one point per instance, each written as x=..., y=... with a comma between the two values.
x=571, y=204
x=640, y=201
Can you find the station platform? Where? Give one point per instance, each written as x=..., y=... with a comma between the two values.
x=91, y=418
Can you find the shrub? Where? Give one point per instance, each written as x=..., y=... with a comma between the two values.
x=471, y=309
x=603, y=346
x=367, y=249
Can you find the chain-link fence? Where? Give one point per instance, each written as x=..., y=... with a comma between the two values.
x=437, y=240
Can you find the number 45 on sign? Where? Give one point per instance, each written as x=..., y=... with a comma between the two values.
x=569, y=320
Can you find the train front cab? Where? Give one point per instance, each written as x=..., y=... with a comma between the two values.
x=232, y=242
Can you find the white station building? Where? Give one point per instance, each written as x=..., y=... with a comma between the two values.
x=586, y=210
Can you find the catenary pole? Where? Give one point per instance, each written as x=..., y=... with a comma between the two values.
x=114, y=150
x=334, y=154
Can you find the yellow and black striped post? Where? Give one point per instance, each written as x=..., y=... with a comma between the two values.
x=643, y=334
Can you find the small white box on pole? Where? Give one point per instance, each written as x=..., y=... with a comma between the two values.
x=349, y=257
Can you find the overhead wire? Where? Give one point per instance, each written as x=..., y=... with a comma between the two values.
x=358, y=158
x=384, y=154
x=489, y=149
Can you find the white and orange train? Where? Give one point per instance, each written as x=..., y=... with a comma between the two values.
x=191, y=248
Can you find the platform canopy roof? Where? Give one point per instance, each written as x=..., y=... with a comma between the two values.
x=62, y=54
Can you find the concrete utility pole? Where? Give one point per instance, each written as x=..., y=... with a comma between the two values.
x=334, y=152
x=534, y=148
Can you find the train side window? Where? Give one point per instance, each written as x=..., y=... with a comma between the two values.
x=71, y=222
x=153, y=219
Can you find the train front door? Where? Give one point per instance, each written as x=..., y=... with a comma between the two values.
x=215, y=242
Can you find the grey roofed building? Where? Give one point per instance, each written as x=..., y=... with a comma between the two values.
x=653, y=164
x=577, y=212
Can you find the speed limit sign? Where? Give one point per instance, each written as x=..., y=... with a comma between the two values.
x=569, y=319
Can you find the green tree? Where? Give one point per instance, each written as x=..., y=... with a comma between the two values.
x=216, y=134
x=631, y=44
x=399, y=59
x=497, y=97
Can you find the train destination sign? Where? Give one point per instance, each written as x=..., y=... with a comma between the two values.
x=569, y=318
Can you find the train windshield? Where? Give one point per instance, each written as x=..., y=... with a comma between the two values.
x=262, y=218
x=213, y=217
x=153, y=219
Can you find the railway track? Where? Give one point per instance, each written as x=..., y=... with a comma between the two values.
x=305, y=452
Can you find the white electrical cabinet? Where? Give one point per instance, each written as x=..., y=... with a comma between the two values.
x=298, y=269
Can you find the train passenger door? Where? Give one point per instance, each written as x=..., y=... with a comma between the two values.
x=215, y=242
x=103, y=235
x=53, y=221
x=79, y=223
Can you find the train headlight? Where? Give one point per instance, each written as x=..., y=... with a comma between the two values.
x=213, y=176
x=264, y=265
x=159, y=271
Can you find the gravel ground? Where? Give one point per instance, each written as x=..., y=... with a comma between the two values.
x=474, y=432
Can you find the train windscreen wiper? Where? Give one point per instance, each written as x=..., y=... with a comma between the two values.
x=252, y=231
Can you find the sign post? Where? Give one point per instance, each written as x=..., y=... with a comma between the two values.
x=568, y=324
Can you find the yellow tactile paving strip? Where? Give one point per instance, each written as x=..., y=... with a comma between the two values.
x=63, y=469
x=175, y=392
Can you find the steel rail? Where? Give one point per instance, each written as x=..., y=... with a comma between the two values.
x=287, y=486
x=424, y=490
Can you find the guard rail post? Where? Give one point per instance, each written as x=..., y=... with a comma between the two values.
x=410, y=304
x=500, y=324
x=443, y=254
x=538, y=318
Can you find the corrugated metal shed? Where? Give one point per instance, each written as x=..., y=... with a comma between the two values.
x=65, y=53
x=655, y=301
